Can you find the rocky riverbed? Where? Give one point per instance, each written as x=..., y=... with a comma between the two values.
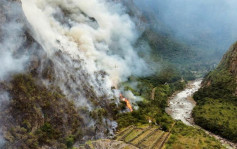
x=181, y=104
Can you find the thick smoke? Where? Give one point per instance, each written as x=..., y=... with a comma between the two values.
x=4, y=99
x=11, y=32
x=12, y=60
x=97, y=31
x=90, y=44
x=210, y=23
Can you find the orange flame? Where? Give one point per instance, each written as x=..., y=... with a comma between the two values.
x=127, y=102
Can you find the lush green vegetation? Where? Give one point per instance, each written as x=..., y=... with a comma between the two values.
x=216, y=102
x=218, y=84
x=216, y=110
x=219, y=116
x=183, y=136
x=152, y=109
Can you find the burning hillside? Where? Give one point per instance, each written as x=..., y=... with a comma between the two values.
x=128, y=104
x=68, y=52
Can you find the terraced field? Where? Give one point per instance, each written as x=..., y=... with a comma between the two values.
x=106, y=144
x=149, y=137
x=132, y=137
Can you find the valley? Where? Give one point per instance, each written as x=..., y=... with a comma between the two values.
x=164, y=133
x=118, y=74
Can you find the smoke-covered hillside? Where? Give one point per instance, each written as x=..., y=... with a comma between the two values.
x=70, y=50
x=76, y=70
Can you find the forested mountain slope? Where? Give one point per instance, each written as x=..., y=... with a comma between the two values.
x=216, y=108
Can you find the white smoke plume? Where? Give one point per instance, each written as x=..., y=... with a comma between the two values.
x=4, y=99
x=11, y=59
x=95, y=30
x=132, y=98
x=90, y=44
x=97, y=33
x=11, y=31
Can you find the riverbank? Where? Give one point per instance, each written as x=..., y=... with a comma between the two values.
x=180, y=107
x=181, y=104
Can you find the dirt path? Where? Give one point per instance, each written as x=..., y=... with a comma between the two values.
x=153, y=93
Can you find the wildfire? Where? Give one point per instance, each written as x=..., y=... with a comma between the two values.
x=127, y=102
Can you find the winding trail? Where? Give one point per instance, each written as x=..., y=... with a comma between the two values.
x=181, y=105
x=153, y=93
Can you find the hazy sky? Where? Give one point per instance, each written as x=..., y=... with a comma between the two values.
x=211, y=22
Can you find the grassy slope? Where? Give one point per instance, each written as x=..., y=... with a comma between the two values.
x=183, y=136
x=218, y=116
